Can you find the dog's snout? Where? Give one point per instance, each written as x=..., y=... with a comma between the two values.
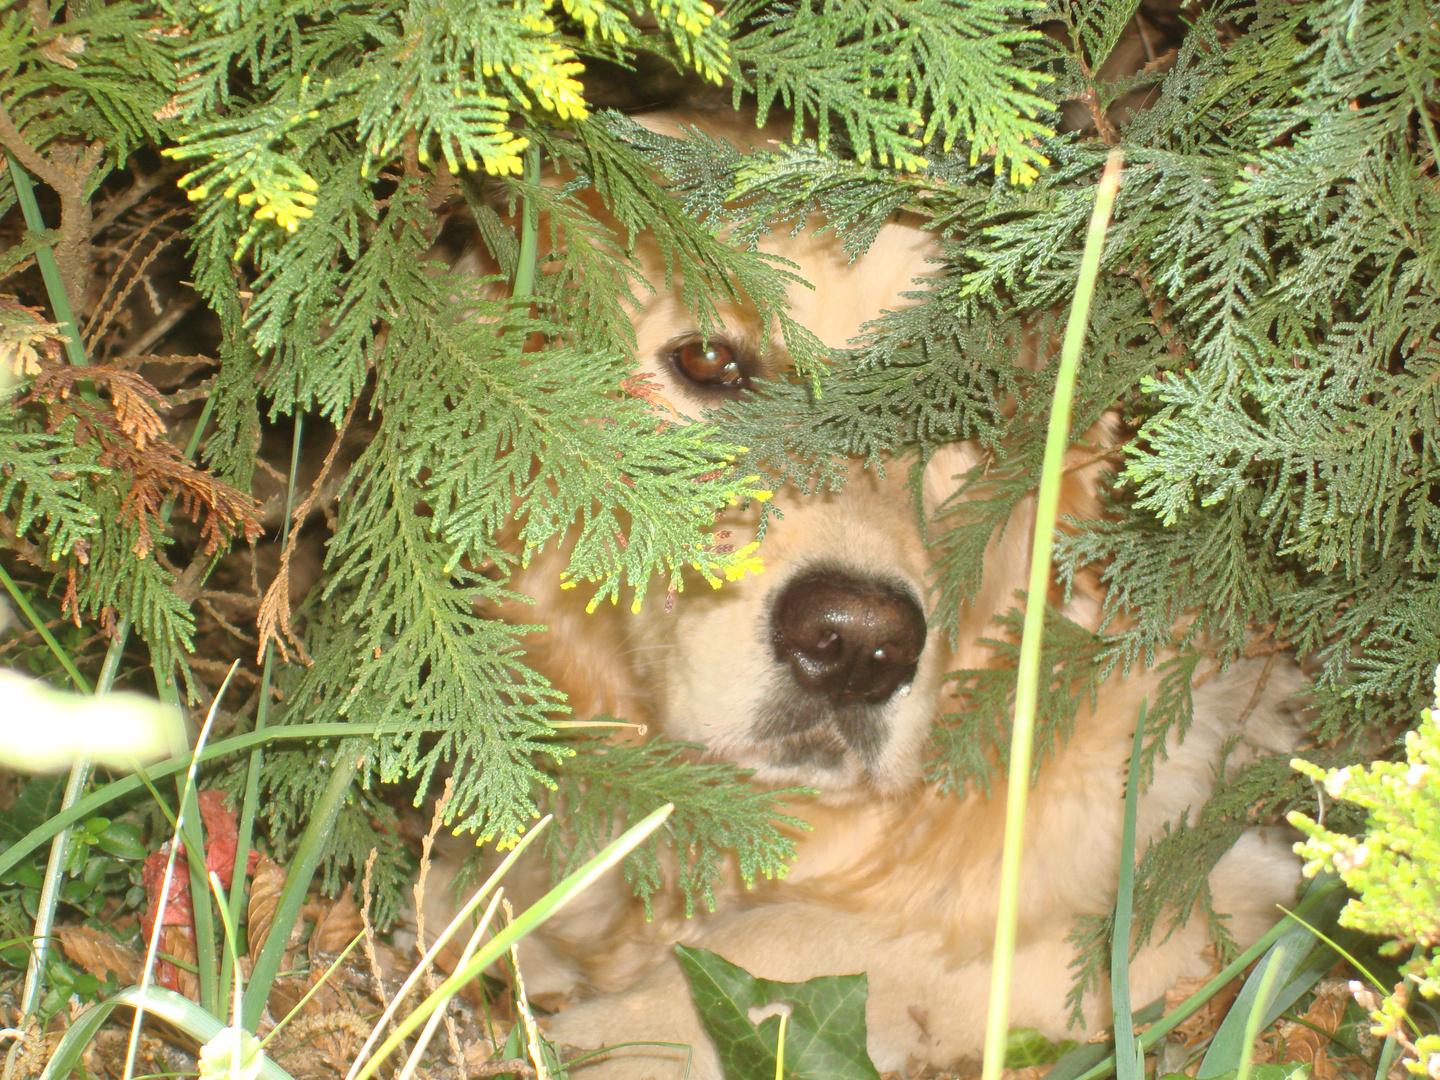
x=848, y=638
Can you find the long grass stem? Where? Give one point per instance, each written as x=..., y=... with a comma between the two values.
x=187, y=800
x=117, y=789
x=45, y=259
x=250, y=802
x=82, y=684
x=1129, y=1055
x=348, y=759
x=1028, y=676
x=529, y=229
x=1315, y=898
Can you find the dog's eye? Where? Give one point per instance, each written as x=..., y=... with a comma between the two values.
x=710, y=363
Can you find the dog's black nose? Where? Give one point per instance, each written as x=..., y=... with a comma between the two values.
x=849, y=638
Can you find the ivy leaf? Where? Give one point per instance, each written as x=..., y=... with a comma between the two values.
x=1028, y=1047
x=39, y=800
x=824, y=1032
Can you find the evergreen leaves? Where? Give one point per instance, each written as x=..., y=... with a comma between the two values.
x=1265, y=325
x=899, y=75
x=716, y=815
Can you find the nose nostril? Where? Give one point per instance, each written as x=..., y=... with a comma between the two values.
x=848, y=638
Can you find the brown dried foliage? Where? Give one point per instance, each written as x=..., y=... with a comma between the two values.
x=132, y=441
x=98, y=953
x=266, y=884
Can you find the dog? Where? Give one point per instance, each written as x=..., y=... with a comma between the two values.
x=827, y=671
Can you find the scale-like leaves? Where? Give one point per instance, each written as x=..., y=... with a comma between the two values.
x=1266, y=320
x=716, y=814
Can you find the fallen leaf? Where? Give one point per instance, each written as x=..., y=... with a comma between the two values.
x=266, y=884
x=99, y=953
x=337, y=926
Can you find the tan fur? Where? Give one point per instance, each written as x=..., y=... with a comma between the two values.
x=894, y=880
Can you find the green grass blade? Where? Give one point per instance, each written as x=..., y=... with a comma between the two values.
x=529, y=229
x=1028, y=676
x=417, y=1052
x=1090, y=1059
x=443, y=937
x=297, y=882
x=187, y=806
x=170, y=1007
x=1129, y=1054
x=1288, y=971
x=127, y=785
x=250, y=801
x=72, y=807
x=45, y=259
x=1269, y=973
x=82, y=684
x=527, y=921
x=1321, y=891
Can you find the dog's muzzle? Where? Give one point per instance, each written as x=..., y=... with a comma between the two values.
x=850, y=640
x=847, y=645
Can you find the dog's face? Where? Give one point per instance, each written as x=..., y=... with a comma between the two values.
x=820, y=671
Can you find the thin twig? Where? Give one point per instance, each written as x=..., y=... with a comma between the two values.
x=26, y=154
x=100, y=321
x=275, y=606
x=142, y=187
x=163, y=326
x=1259, y=692
x=1144, y=38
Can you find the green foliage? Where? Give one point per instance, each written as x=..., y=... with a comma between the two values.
x=824, y=1020
x=715, y=813
x=1266, y=320
x=1026, y=1047
x=1393, y=868
x=43, y=483
x=883, y=70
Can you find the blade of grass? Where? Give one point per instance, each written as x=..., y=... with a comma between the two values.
x=250, y=801
x=45, y=259
x=412, y=1061
x=58, y=827
x=302, y=868
x=237, y=990
x=445, y=935
x=528, y=920
x=1271, y=989
x=1084, y=1059
x=1355, y=937
x=170, y=1007
x=60, y=844
x=1028, y=675
x=1255, y=1014
x=315, y=988
x=187, y=801
x=1129, y=1055
x=127, y=785
x=529, y=229
x=1321, y=890
x=82, y=684
x=191, y=832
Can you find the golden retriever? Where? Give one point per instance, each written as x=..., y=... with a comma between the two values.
x=824, y=671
